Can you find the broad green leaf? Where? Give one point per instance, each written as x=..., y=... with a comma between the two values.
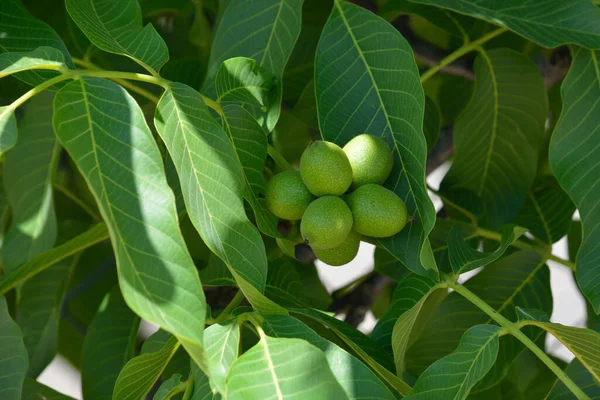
x=547, y=211
x=33, y=390
x=453, y=376
x=366, y=81
x=431, y=123
x=498, y=135
x=109, y=343
x=105, y=133
x=520, y=279
x=454, y=95
x=282, y=369
x=28, y=170
x=13, y=356
x=8, y=129
x=357, y=380
x=250, y=144
x=306, y=107
x=41, y=58
x=92, y=236
x=574, y=153
x=169, y=388
x=115, y=26
x=388, y=265
x=574, y=238
x=583, y=343
x=21, y=32
x=211, y=180
x=549, y=23
x=283, y=283
x=202, y=389
x=216, y=273
x=221, y=342
x=243, y=81
x=582, y=378
x=396, y=325
x=140, y=373
x=264, y=30
x=465, y=258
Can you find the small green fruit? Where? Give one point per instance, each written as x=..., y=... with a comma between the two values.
x=370, y=158
x=342, y=254
x=325, y=169
x=286, y=195
x=377, y=211
x=326, y=222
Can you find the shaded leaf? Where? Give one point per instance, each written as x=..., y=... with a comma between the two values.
x=368, y=82
x=33, y=390
x=202, y=389
x=109, y=343
x=92, y=236
x=169, y=388
x=388, y=265
x=574, y=152
x=431, y=123
x=498, y=136
x=143, y=370
x=8, y=129
x=465, y=258
x=250, y=144
x=210, y=172
x=357, y=380
x=282, y=368
x=216, y=273
x=283, y=283
x=549, y=23
x=13, y=356
x=453, y=376
x=41, y=58
x=582, y=378
x=574, y=239
x=105, y=133
x=115, y=26
x=33, y=226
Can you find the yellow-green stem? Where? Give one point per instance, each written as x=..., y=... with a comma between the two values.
x=239, y=296
x=189, y=389
x=466, y=48
x=513, y=329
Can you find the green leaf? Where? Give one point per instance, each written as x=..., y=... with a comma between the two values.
x=41, y=58
x=357, y=380
x=33, y=227
x=115, y=26
x=210, y=172
x=250, y=144
x=8, y=129
x=498, y=135
x=221, y=342
x=305, y=109
x=549, y=23
x=582, y=342
x=453, y=376
x=23, y=33
x=264, y=30
x=216, y=273
x=283, y=283
x=574, y=239
x=582, y=378
x=520, y=279
x=109, y=343
x=169, y=388
x=13, y=356
x=92, y=236
x=243, y=81
x=33, y=390
x=547, y=211
x=574, y=152
x=465, y=258
x=140, y=373
x=432, y=123
x=202, y=389
x=366, y=81
x=388, y=265
x=105, y=133
x=282, y=368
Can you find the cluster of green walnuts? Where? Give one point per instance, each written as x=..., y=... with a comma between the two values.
x=338, y=197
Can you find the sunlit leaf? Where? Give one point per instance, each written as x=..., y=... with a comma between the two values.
x=13, y=356
x=498, y=136
x=28, y=170
x=574, y=152
x=105, y=133
x=41, y=58
x=366, y=81
x=211, y=180
x=115, y=26
x=221, y=342
x=109, y=343
x=453, y=376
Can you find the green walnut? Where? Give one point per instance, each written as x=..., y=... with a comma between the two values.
x=286, y=195
x=325, y=169
x=370, y=158
x=326, y=223
x=377, y=211
x=342, y=254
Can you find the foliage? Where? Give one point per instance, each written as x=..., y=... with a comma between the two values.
x=136, y=142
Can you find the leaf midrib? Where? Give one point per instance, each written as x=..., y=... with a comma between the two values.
x=272, y=369
x=474, y=361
